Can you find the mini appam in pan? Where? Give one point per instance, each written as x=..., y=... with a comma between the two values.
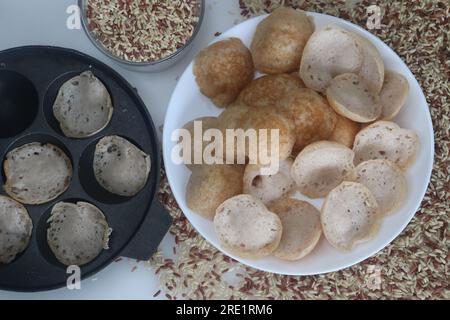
x=15, y=229
x=77, y=233
x=83, y=106
x=37, y=173
x=120, y=167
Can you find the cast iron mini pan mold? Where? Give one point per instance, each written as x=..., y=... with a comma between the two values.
x=30, y=78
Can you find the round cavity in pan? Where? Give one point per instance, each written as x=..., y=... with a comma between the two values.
x=19, y=103
x=52, y=222
x=15, y=229
x=54, y=93
x=89, y=181
x=37, y=169
x=120, y=166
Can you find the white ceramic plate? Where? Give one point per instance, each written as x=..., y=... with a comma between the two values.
x=187, y=103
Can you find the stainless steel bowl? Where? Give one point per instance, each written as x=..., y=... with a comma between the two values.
x=150, y=66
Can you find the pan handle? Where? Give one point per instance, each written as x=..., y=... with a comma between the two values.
x=146, y=241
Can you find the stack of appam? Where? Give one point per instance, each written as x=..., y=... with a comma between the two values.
x=319, y=88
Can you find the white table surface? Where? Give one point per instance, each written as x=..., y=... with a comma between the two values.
x=43, y=22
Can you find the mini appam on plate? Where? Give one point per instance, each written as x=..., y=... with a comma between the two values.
x=345, y=131
x=268, y=188
x=187, y=103
x=37, y=173
x=279, y=40
x=301, y=228
x=393, y=94
x=331, y=51
x=351, y=97
x=247, y=228
x=15, y=229
x=386, y=140
x=223, y=69
x=350, y=215
x=322, y=166
x=386, y=182
x=206, y=123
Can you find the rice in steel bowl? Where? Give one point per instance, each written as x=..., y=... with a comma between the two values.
x=142, y=31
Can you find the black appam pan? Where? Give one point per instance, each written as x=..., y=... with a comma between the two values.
x=30, y=78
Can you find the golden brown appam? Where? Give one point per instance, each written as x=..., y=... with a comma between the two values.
x=223, y=69
x=345, y=131
x=270, y=119
x=207, y=123
x=269, y=90
x=210, y=185
x=240, y=116
x=278, y=43
x=313, y=118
